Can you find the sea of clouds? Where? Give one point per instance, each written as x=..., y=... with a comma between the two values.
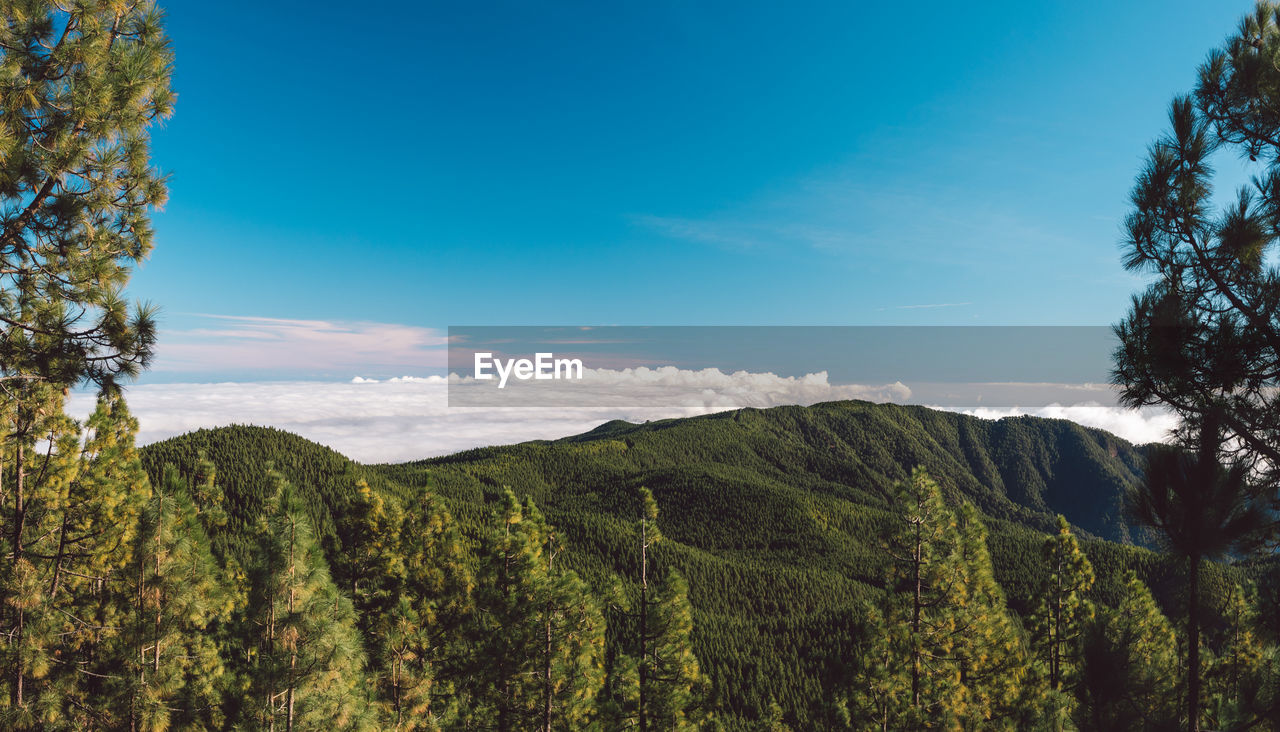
x=407, y=418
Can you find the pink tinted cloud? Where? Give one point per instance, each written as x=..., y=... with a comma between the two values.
x=236, y=343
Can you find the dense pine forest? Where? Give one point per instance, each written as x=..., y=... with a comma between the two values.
x=846, y=565
x=785, y=528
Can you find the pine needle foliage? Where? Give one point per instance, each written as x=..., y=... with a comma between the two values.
x=81, y=85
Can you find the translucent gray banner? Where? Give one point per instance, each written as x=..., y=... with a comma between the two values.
x=760, y=366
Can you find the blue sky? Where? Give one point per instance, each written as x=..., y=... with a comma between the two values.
x=659, y=163
x=348, y=181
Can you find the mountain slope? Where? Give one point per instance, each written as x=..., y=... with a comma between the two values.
x=773, y=515
x=1022, y=469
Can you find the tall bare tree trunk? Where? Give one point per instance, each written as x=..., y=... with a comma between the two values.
x=1193, y=646
x=19, y=518
x=917, y=559
x=644, y=625
x=156, y=628
x=1055, y=634
x=271, y=652
x=293, y=643
x=547, y=686
x=504, y=704
x=395, y=688
x=140, y=650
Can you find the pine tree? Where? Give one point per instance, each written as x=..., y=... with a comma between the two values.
x=30, y=519
x=990, y=648
x=573, y=650
x=657, y=682
x=406, y=676
x=943, y=651
x=308, y=669
x=415, y=601
x=883, y=683
x=80, y=85
x=70, y=533
x=775, y=721
x=208, y=498
x=1200, y=510
x=1129, y=677
x=440, y=579
x=371, y=559
x=910, y=678
x=674, y=685
x=541, y=633
x=1203, y=339
x=171, y=594
x=1233, y=675
x=1062, y=614
x=507, y=586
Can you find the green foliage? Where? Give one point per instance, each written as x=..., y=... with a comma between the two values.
x=539, y=633
x=1203, y=338
x=405, y=623
x=81, y=83
x=1130, y=672
x=774, y=529
x=70, y=521
x=991, y=650
x=1199, y=510
x=1062, y=616
x=307, y=669
x=1236, y=675
x=170, y=672
x=655, y=679
x=411, y=580
x=945, y=653
x=917, y=684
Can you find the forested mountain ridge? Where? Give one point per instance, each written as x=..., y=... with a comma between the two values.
x=774, y=516
x=1023, y=469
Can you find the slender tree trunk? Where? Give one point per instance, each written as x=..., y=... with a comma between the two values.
x=1055, y=633
x=395, y=689
x=58, y=559
x=547, y=686
x=644, y=627
x=140, y=650
x=18, y=519
x=504, y=703
x=916, y=602
x=293, y=644
x=1207, y=464
x=546, y=677
x=1233, y=689
x=271, y=652
x=1193, y=646
x=156, y=628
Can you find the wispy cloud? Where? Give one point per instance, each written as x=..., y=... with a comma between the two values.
x=734, y=232
x=295, y=348
x=935, y=305
x=906, y=220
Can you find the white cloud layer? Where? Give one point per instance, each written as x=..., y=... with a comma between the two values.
x=668, y=386
x=409, y=418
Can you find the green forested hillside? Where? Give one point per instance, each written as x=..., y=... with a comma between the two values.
x=774, y=516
